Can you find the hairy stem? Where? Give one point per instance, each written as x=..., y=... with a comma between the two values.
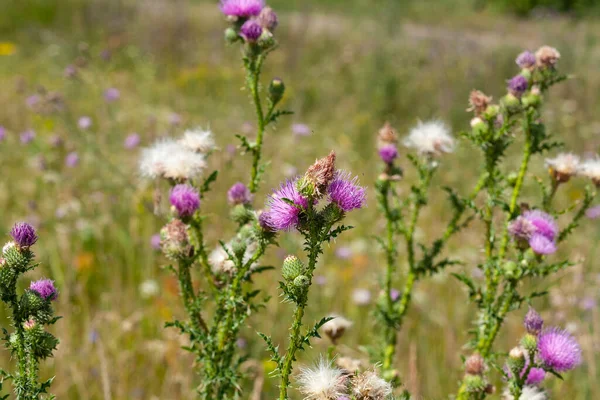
x=254, y=83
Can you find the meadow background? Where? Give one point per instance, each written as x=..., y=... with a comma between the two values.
x=349, y=65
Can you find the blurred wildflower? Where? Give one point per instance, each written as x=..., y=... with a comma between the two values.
x=251, y=30
x=343, y=252
x=345, y=192
x=70, y=71
x=533, y=322
x=155, y=241
x=84, y=122
x=563, y=166
x=588, y=303
x=111, y=95
x=55, y=141
x=2, y=133
x=7, y=48
x=300, y=129
x=558, y=350
x=149, y=288
x=526, y=60
x=242, y=8
x=388, y=153
x=33, y=100
x=23, y=234
x=590, y=169
x=394, y=294
x=241, y=343
x=323, y=382
x=132, y=141
x=368, y=385
x=593, y=212
x=72, y=159
x=45, y=288
x=547, y=56
x=336, y=328
x=27, y=136
x=387, y=135
x=198, y=140
x=185, y=199
x=361, y=297
x=174, y=119
x=478, y=102
x=430, y=138
x=320, y=280
x=517, y=85
x=239, y=194
x=268, y=19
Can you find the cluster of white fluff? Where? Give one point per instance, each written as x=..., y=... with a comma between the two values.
x=569, y=164
x=529, y=393
x=431, y=138
x=221, y=264
x=179, y=160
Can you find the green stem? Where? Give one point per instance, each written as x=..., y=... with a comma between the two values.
x=291, y=351
x=547, y=203
x=254, y=81
x=189, y=298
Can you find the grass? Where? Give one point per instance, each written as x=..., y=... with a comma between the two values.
x=348, y=66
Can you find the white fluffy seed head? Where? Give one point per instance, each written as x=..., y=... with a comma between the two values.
x=529, y=393
x=563, y=166
x=590, y=168
x=198, y=140
x=322, y=382
x=169, y=159
x=369, y=386
x=432, y=138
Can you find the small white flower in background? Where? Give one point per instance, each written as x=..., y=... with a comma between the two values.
x=323, y=382
x=590, y=168
x=198, y=140
x=149, y=288
x=529, y=393
x=369, y=385
x=432, y=137
x=361, y=297
x=169, y=159
x=336, y=328
x=563, y=166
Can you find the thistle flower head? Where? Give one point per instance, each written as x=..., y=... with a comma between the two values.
x=526, y=60
x=547, y=56
x=388, y=153
x=198, y=140
x=345, y=192
x=318, y=176
x=387, y=135
x=84, y=122
x=535, y=376
x=336, y=328
x=369, y=386
x=111, y=95
x=590, y=169
x=431, y=138
x=251, y=30
x=529, y=393
x=518, y=85
x=169, y=159
x=174, y=239
x=241, y=8
x=475, y=364
x=543, y=223
x=45, y=288
x=558, y=349
x=563, y=166
x=280, y=214
x=533, y=321
x=132, y=141
x=23, y=234
x=521, y=228
x=27, y=136
x=478, y=102
x=268, y=19
x=185, y=199
x=322, y=382
x=72, y=159
x=540, y=244
x=29, y=324
x=239, y=194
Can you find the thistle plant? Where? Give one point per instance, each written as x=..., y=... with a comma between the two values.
x=520, y=239
x=31, y=311
x=295, y=206
x=218, y=306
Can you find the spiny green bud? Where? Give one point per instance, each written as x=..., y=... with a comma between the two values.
x=241, y=214
x=301, y=281
x=31, y=302
x=238, y=247
x=532, y=99
x=510, y=269
x=247, y=233
x=529, y=342
x=491, y=111
x=33, y=330
x=511, y=103
x=292, y=268
x=15, y=258
x=231, y=36
x=512, y=179
x=306, y=187
x=526, y=72
x=474, y=383
x=8, y=278
x=332, y=213
x=266, y=40
x=516, y=360
x=276, y=90
x=479, y=126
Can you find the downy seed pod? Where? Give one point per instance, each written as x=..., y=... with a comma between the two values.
x=475, y=364
x=318, y=176
x=292, y=268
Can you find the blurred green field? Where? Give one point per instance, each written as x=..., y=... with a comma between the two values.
x=349, y=66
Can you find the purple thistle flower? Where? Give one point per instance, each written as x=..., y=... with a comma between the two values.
x=345, y=192
x=70, y=71
x=543, y=223
x=132, y=141
x=242, y=8
x=33, y=100
x=72, y=159
x=533, y=322
x=27, y=136
x=343, y=252
x=593, y=212
x=388, y=153
x=542, y=245
x=517, y=85
x=239, y=194
x=111, y=95
x=2, y=133
x=300, y=129
x=84, y=122
x=526, y=59
x=558, y=349
x=185, y=199
x=45, y=288
x=281, y=215
x=535, y=376
x=394, y=294
x=155, y=241
x=23, y=234
x=521, y=228
x=251, y=31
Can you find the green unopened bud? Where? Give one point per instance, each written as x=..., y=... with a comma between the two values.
x=16, y=258
x=479, y=126
x=240, y=214
x=301, y=282
x=231, y=36
x=474, y=383
x=531, y=99
x=529, y=342
x=512, y=179
x=32, y=302
x=276, y=90
x=247, y=233
x=510, y=269
x=516, y=360
x=238, y=247
x=511, y=103
x=491, y=112
x=526, y=72
x=332, y=213
x=266, y=40
x=292, y=268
